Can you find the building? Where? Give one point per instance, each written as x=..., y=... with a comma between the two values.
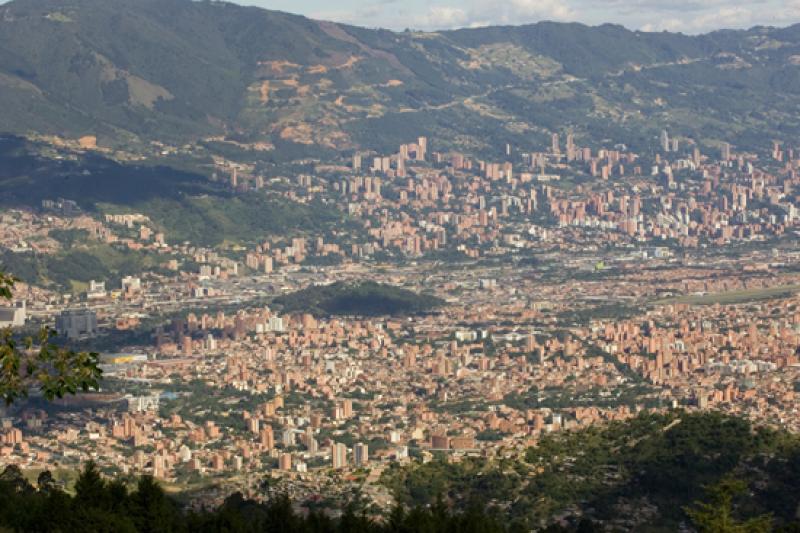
x=137, y=404
x=76, y=323
x=97, y=290
x=555, y=145
x=338, y=455
x=665, y=144
x=361, y=454
x=725, y=152
x=276, y=324
x=440, y=442
x=131, y=284
x=267, y=438
x=13, y=317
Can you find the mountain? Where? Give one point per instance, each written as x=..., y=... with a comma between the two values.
x=178, y=71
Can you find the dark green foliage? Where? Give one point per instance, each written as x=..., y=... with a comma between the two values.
x=101, y=505
x=6, y=285
x=366, y=298
x=37, y=363
x=69, y=237
x=716, y=514
x=210, y=220
x=96, y=262
x=669, y=460
x=27, y=177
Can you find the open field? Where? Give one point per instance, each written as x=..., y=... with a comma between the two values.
x=732, y=297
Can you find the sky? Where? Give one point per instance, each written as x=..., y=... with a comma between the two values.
x=688, y=16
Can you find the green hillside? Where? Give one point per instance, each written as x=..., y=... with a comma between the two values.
x=210, y=220
x=185, y=205
x=181, y=70
x=639, y=475
x=366, y=298
x=74, y=268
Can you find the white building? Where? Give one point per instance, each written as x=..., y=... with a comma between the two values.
x=13, y=317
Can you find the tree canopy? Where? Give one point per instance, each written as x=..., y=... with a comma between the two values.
x=37, y=363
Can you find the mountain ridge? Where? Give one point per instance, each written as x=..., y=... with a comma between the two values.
x=179, y=71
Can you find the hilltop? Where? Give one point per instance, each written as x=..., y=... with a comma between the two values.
x=179, y=71
x=366, y=298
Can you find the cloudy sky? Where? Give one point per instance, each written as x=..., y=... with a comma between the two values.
x=688, y=16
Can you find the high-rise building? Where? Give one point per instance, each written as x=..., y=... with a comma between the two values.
x=267, y=438
x=571, y=151
x=76, y=323
x=338, y=455
x=665, y=145
x=360, y=454
x=725, y=152
x=347, y=408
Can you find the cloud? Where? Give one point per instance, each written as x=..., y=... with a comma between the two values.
x=688, y=16
x=726, y=17
x=442, y=17
x=640, y=7
x=492, y=12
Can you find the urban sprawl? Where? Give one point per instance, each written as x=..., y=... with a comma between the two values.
x=581, y=285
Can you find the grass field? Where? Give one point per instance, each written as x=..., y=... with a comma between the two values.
x=732, y=297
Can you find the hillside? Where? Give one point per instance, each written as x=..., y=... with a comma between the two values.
x=704, y=471
x=183, y=204
x=179, y=71
x=363, y=299
x=639, y=475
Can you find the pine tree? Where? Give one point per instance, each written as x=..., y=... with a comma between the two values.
x=716, y=515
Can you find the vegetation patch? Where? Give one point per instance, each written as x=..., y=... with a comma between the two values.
x=366, y=298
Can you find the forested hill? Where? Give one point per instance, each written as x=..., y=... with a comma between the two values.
x=656, y=472
x=181, y=70
x=666, y=472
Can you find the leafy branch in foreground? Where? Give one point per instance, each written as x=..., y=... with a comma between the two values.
x=6, y=284
x=38, y=363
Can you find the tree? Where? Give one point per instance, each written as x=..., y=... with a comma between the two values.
x=27, y=364
x=151, y=509
x=13, y=477
x=45, y=481
x=716, y=515
x=6, y=285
